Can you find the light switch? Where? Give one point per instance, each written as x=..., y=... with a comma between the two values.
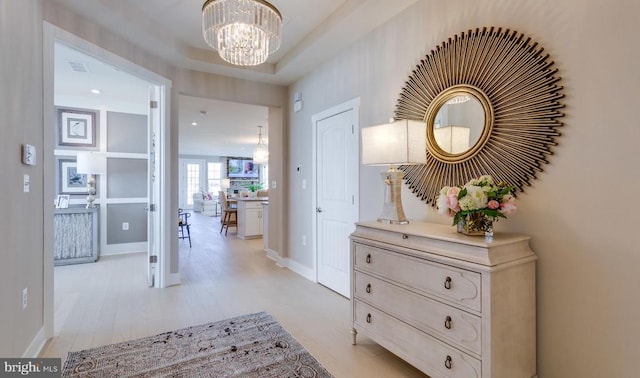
x=304, y=183
x=273, y=184
x=125, y=226
x=25, y=183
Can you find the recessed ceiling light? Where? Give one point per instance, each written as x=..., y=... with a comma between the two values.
x=194, y=123
x=95, y=91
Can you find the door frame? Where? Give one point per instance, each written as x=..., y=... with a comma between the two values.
x=51, y=35
x=353, y=104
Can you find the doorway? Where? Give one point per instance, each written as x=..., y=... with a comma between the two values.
x=150, y=197
x=336, y=162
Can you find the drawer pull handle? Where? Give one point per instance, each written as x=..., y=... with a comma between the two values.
x=447, y=322
x=368, y=259
x=405, y=236
x=368, y=318
x=368, y=289
x=447, y=283
x=447, y=362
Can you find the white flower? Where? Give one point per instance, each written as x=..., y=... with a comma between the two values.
x=475, y=198
x=486, y=179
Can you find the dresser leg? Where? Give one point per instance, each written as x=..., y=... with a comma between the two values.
x=354, y=333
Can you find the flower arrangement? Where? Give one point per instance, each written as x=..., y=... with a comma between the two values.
x=478, y=199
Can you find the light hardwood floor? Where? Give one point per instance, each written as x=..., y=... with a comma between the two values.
x=109, y=301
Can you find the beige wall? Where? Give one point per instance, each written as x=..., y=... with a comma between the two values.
x=21, y=225
x=580, y=211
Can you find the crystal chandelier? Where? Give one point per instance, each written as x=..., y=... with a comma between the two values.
x=244, y=32
x=261, y=153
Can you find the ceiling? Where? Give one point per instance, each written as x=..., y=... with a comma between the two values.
x=313, y=31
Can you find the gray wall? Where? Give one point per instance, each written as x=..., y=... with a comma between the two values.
x=127, y=178
x=132, y=213
x=126, y=132
x=580, y=211
x=21, y=226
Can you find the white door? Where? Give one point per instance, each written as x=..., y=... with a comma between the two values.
x=336, y=181
x=191, y=181
x=153, y=185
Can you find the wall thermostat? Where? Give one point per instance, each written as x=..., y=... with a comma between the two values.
x=28, y=154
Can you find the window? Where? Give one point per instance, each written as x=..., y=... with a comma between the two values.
x=214, y=175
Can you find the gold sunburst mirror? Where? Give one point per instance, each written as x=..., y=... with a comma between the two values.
x=491, y=102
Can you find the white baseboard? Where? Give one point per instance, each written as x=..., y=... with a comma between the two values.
x=124, y=248
x=302, y=270
x=273, y=255
x=292, y=265
x=173, y=279
x=36, y=345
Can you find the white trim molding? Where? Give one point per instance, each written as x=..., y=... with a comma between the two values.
x=292, y=265
x=36, y=345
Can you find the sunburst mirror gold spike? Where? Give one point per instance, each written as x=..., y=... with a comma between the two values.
x=492, y=102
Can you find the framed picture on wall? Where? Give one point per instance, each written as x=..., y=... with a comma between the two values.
x=76, y=128
x=70, y=181
x=62, y=201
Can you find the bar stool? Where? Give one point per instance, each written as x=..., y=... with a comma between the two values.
x=229, y=215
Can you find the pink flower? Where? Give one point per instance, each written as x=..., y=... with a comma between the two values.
x=447, y=203
x=452, y=199
x=493, y=204
x=508, y=207
x=453, y=191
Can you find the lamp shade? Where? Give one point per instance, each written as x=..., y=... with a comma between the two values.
x=400, y=142
x=92, y=163
x=225, y=184
x=452, y=139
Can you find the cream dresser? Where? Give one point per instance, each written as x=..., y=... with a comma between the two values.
x=449, y=304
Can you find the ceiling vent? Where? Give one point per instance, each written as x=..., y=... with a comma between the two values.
x=78, y=66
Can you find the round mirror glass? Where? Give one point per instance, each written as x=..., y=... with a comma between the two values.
x=459, y=124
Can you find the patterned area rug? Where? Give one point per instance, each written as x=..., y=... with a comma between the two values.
x=252, y=345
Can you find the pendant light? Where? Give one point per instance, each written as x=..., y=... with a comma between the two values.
x=261, y=153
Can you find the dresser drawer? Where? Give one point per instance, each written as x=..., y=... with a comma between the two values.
x=446, y=322
x=462, y=287
x=421, y=350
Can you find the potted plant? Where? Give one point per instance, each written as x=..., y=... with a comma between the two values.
x=254, y=187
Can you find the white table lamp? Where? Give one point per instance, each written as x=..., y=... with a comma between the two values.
x=91, y=164
x=397, y=143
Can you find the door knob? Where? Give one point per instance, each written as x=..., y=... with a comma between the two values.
x=318, y=209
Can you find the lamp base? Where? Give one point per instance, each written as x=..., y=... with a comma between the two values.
x=91, y=188
x=392, y=211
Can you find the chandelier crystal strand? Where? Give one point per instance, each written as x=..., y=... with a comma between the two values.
x=244, y=32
